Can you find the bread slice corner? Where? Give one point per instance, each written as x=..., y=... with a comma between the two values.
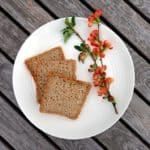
x=55, y=53
x=64, y=96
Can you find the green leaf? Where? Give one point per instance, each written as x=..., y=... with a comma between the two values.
x=73, y=21
x=77, y=48
x=67, y=34
x=97, y=21
x=67, y=21
x=82, y=45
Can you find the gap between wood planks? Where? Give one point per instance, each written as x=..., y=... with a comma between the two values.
x=7, y=100
x=118, y=32
x=22, y=115
x=6, y=143
x=14, y=21
x=114, y=29
x=137, y=10
x=98, y=142
x=52, y=14
x=134, y=132
x=12, y=61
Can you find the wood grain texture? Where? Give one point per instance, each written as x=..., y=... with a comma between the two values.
x=141, y=86
x=74, y=144
x=28, y=13
x=18, y=132
x=119, y=138
x=6, y=41
x=6, y=88
x=126, y=21
x=66, y=144
x=142, y=69
x=67, y=8
x=138, y=117
x=142, y=74
x=84, y=144
x=10, y=33
x=142, y=5
x=3, y=146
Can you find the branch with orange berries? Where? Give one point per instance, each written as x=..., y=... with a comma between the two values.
x=96, y=50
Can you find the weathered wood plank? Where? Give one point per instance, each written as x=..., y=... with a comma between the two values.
x=67, y=8
x=10, y=34
x=6, y=88
x=142, y=69
x=18, y=132
x=63, y=143
x=12, y=51
x=126, y=21
x=142, y=5
x=138, y=117
x=28, y=13
x=142, y=74
x=84, y=144
x=3, y=146
x=118, y=137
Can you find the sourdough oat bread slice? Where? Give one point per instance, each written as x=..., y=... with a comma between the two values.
x=52, y=54
x=66, y=67
x=64, y=96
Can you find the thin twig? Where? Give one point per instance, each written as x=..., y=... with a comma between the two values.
x=109, y=94
x=99, y=40
x=78, y=35
x=94, y=60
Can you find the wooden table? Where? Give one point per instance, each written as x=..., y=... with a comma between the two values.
x=129, y=19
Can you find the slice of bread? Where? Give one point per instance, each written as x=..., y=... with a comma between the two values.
x=64, y=96
x=52, y=54
x=66, y=67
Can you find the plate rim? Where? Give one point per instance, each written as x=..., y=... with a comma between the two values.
x=106, y=128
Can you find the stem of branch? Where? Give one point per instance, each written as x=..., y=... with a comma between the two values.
x=94, y=60
x=115, y=108
x=78, y=35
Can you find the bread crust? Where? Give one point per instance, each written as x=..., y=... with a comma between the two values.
x=52, y=49
x=35, y=75
x=88, y=87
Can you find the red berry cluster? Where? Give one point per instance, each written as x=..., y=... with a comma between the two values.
x=96, y=50
x=94, y=17
x=100, y=80
x=98, y=47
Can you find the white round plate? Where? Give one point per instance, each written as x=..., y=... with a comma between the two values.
x=97, y=114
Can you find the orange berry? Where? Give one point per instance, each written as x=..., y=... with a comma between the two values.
x=96, y=50
x=96, y=83
x=95, y=43
x=82, y=57
x=108, y=80
x=97, y=71
x=95, y=76
x=98, y=13
x=102, y=91
x=107, y=44
x=90, y=20
x=102, y=55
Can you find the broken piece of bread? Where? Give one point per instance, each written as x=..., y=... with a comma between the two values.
x=64, y=96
